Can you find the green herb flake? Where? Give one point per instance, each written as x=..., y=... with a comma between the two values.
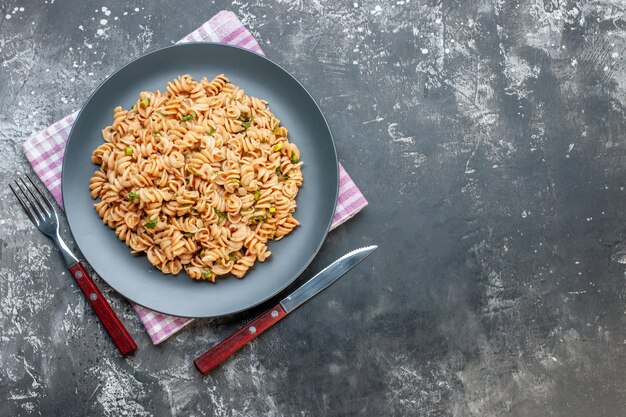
x=150, y=223
x=272, y=209
x=277, y=130
x=294, y=158
x=157, y=133
x=144, y=103
x=189, y=235
x=232, y=258
x=278, y=146
x=207, y=273
x=132, y=196
x=188, y=117
x=211, y=130
x=257, y=195
x=162, y=114
x=202, y=253
x=246, y=121
x=133, y=107
x=128, y=151
x=281, y=176
x=258, y=219
x=219, y=213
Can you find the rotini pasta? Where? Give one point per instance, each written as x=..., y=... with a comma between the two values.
x=198, y=178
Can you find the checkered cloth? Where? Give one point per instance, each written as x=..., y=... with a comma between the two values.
x=45, y=150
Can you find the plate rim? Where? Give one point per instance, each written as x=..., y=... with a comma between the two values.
x=306, y=264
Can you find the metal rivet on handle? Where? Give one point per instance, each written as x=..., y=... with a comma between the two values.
x=252, y=329
x=93, y=296
x=274, y=313
x=79, y=274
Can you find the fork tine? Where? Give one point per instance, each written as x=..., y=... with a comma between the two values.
x=25, y=206
x=40, y=205
x=33, y=205
x=42, y=194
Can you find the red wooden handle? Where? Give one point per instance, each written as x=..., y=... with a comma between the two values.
x=220, y=352
x=107, y=316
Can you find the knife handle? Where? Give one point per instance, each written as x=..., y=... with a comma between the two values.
x=220, y=352
x=123, y=340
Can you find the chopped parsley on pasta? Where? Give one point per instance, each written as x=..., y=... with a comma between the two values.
x=198, y=178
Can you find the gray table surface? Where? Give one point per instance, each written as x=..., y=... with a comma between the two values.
x=489, y=138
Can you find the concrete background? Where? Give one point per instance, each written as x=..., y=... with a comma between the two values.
x=489, y=138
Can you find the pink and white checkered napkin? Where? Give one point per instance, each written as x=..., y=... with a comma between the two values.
x=45, y=149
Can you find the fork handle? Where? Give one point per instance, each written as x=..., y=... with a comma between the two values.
x=123, y=340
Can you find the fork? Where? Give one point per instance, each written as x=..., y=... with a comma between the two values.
x=43, y=214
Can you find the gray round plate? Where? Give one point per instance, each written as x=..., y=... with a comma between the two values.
x=133, y=276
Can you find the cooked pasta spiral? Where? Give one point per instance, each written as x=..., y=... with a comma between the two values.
x=199, y=178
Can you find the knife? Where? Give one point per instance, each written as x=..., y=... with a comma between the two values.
x=224, y=349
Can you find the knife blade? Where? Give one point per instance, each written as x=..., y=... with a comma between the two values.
x=322, y=280
x=325, y=278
